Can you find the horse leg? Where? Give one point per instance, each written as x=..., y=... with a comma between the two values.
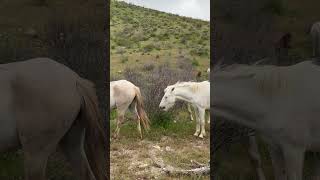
x=277, y=161
x=72, y=145
x=198, y=123
x=202, y=122
x=138, y=120
x=35, y=165
x=209, y=117
x=316, y=169
x=294, y=159
x=255, y=157
x=190, y=111
x=120, y=120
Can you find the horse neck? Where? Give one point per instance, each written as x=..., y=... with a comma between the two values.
x=240, y=104
x=184, y=94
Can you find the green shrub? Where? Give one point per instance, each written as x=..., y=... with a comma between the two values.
x=124, y=59
x=195, y=63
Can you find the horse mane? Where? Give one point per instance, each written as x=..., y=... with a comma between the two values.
x=267, y=78
x=193, y=85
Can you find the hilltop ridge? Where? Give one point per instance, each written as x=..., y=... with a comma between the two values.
x=140, y=35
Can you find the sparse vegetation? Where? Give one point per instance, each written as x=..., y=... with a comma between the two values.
x=157, y=58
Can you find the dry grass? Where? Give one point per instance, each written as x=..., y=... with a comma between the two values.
x=130, y=157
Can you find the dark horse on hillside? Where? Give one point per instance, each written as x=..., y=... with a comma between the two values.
x=45, y=105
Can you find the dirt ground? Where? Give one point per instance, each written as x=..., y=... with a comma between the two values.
x=131, y=158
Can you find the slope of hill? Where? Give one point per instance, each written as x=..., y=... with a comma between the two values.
x=140, y=35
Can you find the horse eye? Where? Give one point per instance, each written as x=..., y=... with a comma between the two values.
x=172, y=89
x=166, y=97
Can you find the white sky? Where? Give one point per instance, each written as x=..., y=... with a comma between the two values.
x=198, y=9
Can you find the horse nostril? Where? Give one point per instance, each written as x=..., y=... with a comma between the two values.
x=161, y=107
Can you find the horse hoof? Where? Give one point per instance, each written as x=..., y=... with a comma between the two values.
x=201, y=136
x=196, y=134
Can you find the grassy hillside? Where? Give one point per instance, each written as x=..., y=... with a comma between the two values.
x=140, y=35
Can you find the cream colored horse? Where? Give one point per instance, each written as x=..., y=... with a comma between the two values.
x=124, y=94
x=196, y=93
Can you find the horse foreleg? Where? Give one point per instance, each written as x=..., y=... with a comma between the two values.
x=190, y=111
x=209, y=117
x=198, y=123
x=202, y=122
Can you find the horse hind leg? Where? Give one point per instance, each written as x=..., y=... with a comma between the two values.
x=190, y=112
x=72, y=145
x=36, y=155
x=35, y=165
x=120, y=120
x=117, y=130
x=255, y=157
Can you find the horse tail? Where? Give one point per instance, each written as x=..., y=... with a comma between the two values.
x=315, y=33
x=140, y=109
x=95, y=137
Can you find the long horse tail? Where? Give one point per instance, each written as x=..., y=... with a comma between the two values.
x=95, y=137
x=140, y=109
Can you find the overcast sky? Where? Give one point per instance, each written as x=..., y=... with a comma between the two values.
x=199, y=9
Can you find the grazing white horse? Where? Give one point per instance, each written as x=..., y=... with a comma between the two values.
x=195, y=93
x=278, y=102
x=124, y=94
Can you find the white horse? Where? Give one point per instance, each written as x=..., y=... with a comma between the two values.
x=195, y=93
x=280, y=104
x=124, y=94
